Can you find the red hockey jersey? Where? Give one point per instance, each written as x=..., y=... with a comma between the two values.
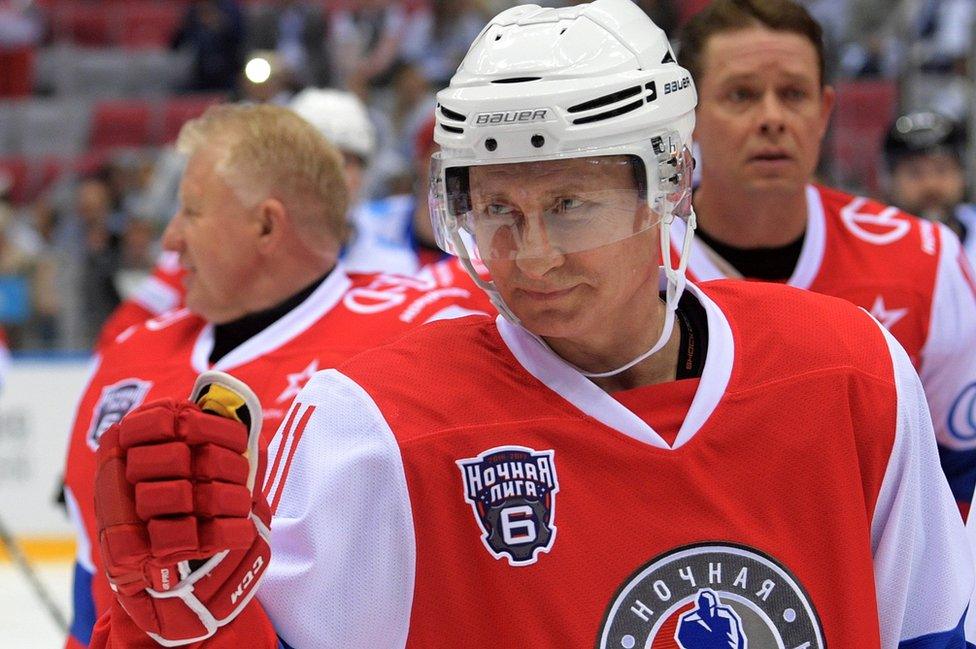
x=511, y=503
x=343, y=316
x=914, y=278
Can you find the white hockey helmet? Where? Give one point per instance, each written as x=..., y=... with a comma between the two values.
x=595, y=81
x=340, y=116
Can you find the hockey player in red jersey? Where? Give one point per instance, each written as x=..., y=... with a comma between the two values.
x=343, y=120
x=762, y=116
x=622, y=459
x=266, y=299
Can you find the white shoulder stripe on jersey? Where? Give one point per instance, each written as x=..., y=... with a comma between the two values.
x=568, y=383
x=922, y=565
x=814, y=242
x=322, y=300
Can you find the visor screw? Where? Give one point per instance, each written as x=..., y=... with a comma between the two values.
x=538, y=141
x=491, y=144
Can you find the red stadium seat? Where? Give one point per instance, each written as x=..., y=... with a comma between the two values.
x=91, y=25
x=121, y=123
x=149, y=25
x=179, y=110
x=862, y=113
x=15, y=171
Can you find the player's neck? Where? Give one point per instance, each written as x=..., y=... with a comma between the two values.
x=619, y=347
x=768, y=219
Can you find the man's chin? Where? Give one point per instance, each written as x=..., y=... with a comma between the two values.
x=775, y=185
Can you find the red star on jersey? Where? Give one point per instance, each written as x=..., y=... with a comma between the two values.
x=297, y=381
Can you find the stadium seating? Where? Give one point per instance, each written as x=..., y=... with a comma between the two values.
x=121, y=123
x=862, y=113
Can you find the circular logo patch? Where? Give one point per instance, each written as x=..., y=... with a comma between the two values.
x=712, y=596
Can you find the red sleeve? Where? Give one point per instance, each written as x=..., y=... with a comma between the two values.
x=251, y=629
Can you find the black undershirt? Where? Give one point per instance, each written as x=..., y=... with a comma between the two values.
x=693, y=346
x=230, y=335
x=771, y=264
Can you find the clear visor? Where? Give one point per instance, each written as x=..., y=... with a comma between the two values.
x=544, y=208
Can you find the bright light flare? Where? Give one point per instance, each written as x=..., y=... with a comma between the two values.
x=258, y=70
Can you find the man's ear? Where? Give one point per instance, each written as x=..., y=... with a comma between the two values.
x=271, y=221
x=828, y=97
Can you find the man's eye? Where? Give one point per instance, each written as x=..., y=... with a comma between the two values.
x=794, y=94
x=740, y=95
x=497, y=209
x=566, y=204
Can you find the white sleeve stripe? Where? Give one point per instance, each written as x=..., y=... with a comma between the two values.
x=343, y=569
x=923, y=570
x=296, y=437
x=156, y=296
x=279, y=448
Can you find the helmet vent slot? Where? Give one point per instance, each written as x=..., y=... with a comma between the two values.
x=516, y=80
x=452, y=129
x=610, y=113
x=450, y=114
x=606, y=100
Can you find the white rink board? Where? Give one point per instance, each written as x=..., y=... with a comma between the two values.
x=37, y=407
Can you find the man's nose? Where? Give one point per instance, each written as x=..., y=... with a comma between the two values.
x=536, y=253
x=772, y=117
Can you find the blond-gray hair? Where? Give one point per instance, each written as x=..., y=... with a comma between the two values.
x=266, y=151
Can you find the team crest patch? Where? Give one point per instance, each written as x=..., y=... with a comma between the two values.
x=116, y=400
x=712, y=596
x=512, y=490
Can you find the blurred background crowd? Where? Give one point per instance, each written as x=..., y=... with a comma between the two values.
x=93, y=92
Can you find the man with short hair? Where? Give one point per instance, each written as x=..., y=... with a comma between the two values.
x=925, y=173
x=763, y=111
x=261, y=221
x=622, y=459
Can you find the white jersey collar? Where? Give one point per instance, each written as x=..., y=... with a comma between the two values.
x=322, y=300
x=704, y=268
x=565, y=381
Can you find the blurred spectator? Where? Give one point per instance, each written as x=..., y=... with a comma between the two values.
x=20, y=32
x=926, y=175
x=439, y=36
x=367, y=40
x=344, y=121
x=394, y=233
x=295, y=30
x=45, y=294
x=214, y=32
x=16, y=269
x=399, y=115
x=944, y=30
x=126, y=174
x=662, y=12
x=90, y=249
x=137, y=256
x=938, y=31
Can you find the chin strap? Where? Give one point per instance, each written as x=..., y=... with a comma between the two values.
x=676, y=287
x=676, y=282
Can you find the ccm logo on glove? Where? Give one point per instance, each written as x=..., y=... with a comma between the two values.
x=248, y=579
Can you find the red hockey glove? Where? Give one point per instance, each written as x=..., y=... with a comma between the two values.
x=183, y=527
